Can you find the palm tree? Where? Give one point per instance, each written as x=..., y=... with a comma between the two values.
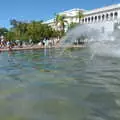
x=79, y=15
x=60, y=19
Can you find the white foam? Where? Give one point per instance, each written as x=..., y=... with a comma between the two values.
x=106, y=43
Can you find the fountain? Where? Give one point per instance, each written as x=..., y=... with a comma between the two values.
x=99, y=41
x=37, y=85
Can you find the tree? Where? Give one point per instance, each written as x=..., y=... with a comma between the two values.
x=35, y=30
x=79, y=15
x=3, y=31
x=10, y=36
x=60, y=20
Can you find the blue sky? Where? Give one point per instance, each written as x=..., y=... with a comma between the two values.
x=43, y=9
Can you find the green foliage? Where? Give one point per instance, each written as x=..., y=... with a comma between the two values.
x=10, y=35
x=60, y=19
x=79, y=15
x=35, y=30
x=3, y=31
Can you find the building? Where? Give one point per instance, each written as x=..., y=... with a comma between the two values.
x=107, y=17
x=70, y=17
x=104, y=18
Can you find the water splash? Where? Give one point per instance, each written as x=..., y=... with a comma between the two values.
x=99, y=41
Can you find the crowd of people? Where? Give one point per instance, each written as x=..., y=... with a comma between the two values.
x=4, y=43
x=49, y=42
x=9, y=45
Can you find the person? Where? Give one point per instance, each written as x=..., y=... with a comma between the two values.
x=21, y=44
x=9, y=45
x=43, y=42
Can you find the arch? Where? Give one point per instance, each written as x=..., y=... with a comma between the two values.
x=85, y=19
x=116, y=14
x=111, y=15
x=92, y=18
x=99, y=17
x=95, y=18
x=107, y=16
x=103, y=17
x=88, y=19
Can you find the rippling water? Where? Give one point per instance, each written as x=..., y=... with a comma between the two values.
x=44, y=85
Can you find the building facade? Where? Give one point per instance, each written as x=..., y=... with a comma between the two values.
x=70, y=16
x=105, y=18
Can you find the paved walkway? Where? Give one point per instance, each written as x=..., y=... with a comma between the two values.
x=34, y=47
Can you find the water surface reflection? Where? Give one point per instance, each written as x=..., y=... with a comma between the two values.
x=44, y=85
